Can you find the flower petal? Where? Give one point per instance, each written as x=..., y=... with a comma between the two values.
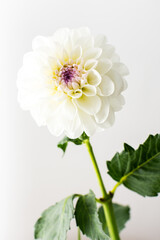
x=85, y=42
x=102, y=115
x=117, y=102
x=118, y=82
x=76, y=53
x=106, y=86
x=121, y=68
x=104, y=65
x=90, y=64
x=40, y=42
x=62, y=117
x=92, y=53
x=88, y=123
x=100, y=40
x=90, y=105
x=89, y=90
x=107, y=51
x=94, y=78
x=75, y=93
x=61, y=35
x=110, y=120
x=115, y=58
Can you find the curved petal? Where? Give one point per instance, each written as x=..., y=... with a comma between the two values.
x=102, y=115
x=75, y=128
x=54, y=123
x=84, y=31
x=90, y=64
x=100, y=40
x=75, y=93
x=90, y=105
x=76, y=53
x=115, y=58
x=61, y=35
x=85, y=42
x=40, y=42
x=94, y=78
x=103, y=66
x=107, y=51
x=92, y=53
x=118, y=82
x=89, y=90
x=110, y=120
x=117, y=102
x=88, y=123
x=62, y=118
x=106, y=86
x=121, y=68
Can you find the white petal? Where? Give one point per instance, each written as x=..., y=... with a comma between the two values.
x=75, y=85
x=65, y=56
x=125, y=84
x=54, y=123
x=61, y=35
x=107, y=51
x=100, y=40
x=106, y=86
x=75, y=128
x=84, y=31
x=68, y=44
x=76, y=53
x=90, y=105
x=115, y=58
x=90, y=64
x=75, y=93
x=69, y=109
x=85, y=42
x=62, y=117
x=88, y=123
x=102, y=115
x=121, y=68
x=94, y=78
x=104, y=65
x=118, y=82
x=110, y=120
x=39, y=42
x=89, y=90
x=92, y=53
x=117, y=102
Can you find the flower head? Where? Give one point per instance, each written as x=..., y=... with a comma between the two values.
x=72, y=82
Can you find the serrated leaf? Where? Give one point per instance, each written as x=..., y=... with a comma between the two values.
x=121, y=214
x=138, y=170
x=55, y=221
x=87, y=218
x=78, y=141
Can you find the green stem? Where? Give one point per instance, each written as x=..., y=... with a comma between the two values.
x=107, y=205
x=79, y=234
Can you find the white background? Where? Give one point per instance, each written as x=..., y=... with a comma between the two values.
x=33, y=175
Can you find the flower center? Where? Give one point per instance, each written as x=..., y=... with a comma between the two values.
x=69, y=76
x=69, y=73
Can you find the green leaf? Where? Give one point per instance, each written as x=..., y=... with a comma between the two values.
x=121, y=214
x=87, y=218
x=55, y=221
x=78, y=141
x=138, y=170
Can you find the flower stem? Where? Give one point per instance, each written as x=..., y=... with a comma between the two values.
x=107, y=204
x=79, y=234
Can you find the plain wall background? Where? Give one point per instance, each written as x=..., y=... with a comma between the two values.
x=33, y=175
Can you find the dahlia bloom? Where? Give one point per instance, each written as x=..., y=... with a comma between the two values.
x=72, y=82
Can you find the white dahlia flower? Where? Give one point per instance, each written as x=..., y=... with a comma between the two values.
x=72, y=82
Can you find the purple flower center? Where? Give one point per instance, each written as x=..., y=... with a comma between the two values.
x=69, y=73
